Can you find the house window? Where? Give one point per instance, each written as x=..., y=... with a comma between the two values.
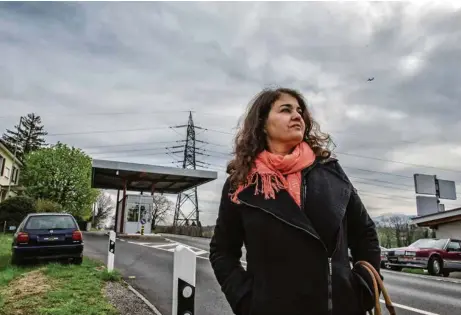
x=15, y=175
x=2, y=165
x=7, y=173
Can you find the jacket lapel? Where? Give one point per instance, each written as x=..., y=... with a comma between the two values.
x=283, y=207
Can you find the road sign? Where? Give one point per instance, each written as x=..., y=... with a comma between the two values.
x=426, y=205
x=143, y=221
x=425, y=184
x=447, y=189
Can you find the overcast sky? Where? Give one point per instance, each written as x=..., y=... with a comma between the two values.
x=108, y=67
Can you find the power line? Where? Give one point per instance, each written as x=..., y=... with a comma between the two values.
x=371, y=158
x=131, y=150
x=212, y=151
x=54, y=114
x=181, y=111
x=103, y=131
x=398, y=162
x=224, y=132
x=136, y=155
x=131, y=144
x=376, y=172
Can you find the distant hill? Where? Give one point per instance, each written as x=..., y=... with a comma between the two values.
x=385, y=217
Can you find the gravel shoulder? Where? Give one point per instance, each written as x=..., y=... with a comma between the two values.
x=125, y=301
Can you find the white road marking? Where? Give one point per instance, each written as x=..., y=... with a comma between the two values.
x=163, y=245
x=451, y=280
x=170, y=247
x=411, y=308
x=200, y=252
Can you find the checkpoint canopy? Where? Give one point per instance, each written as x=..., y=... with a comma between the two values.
x=145, y=178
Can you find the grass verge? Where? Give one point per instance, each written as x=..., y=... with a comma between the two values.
x=53, y=289
x=414, y=271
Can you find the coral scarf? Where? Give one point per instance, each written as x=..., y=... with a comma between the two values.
x=272, y=169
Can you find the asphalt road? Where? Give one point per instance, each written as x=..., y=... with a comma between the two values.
x=151, y=263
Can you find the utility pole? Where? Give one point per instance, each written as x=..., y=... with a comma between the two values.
x=14, y=161
x=189, y=162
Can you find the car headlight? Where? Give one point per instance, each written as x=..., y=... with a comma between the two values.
x=410, y=254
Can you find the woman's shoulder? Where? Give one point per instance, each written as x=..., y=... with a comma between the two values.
x=333, y=165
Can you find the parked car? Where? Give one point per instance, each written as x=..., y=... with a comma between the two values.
x=383, y=256
x=43, y=236
x=438, y=256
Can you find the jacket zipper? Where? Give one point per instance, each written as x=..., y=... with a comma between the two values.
x=330, y=287
x=330, y=264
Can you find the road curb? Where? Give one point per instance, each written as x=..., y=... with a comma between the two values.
x=146, y=301
x=94, y=233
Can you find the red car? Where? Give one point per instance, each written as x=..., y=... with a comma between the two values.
x=438, y=256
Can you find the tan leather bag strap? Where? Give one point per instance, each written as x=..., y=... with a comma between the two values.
x=378, y=284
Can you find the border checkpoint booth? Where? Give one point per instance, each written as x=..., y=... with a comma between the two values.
x=132, y=210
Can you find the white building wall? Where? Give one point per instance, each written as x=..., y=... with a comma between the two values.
x=449, y=230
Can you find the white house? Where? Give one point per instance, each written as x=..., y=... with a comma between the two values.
x=9, y=172
x=447, y=224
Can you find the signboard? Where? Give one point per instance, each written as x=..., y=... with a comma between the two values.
x=447, y=189
x=143, y=221
x=12, y=228
x=426, y=205
x=425, y=184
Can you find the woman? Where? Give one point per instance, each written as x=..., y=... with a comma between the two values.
x=296, y=212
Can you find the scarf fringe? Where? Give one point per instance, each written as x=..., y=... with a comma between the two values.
x=267, y=184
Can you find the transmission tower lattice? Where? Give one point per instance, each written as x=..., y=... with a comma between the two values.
x=189, y=162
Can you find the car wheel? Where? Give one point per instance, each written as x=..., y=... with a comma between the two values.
x=77, y=261
x=435, y=266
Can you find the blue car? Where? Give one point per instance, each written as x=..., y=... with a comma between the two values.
x=47, y=236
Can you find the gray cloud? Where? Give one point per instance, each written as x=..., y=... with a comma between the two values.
x=87, y=67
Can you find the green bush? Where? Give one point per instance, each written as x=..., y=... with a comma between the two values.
x=45, y=205
x=13, y=210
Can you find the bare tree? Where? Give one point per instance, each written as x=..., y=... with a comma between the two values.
x=162, y=209
x=398, y=225
x=104, y=209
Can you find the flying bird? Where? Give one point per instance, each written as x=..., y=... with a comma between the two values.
x=370, y=79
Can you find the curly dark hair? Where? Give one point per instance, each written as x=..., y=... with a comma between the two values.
x=251, y=139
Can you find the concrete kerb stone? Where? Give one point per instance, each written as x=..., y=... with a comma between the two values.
x=140, y=296
x=96, y=233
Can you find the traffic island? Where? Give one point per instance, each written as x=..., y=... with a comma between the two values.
x=62, y=288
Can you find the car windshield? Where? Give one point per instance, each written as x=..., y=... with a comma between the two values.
x=429, y=243
x=50, y=222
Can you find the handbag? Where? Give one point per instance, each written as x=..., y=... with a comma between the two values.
x=378, y=284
